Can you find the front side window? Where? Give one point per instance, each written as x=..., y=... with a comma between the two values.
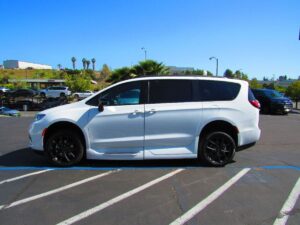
x=170, y=91
x=123, y=94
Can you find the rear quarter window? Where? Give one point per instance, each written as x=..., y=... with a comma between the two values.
x=207, y=90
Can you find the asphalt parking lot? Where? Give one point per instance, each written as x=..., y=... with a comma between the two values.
x=259, y=187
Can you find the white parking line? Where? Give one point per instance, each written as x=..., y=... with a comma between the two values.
x=25, y=200
x=117, y=199
x=209, y=199
x=288, y=205
x=23, y=176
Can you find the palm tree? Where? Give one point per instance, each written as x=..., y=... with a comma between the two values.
x=84, y=63
x=150, y=67
x=93, y=62
x=73, y=59
x=88, y=62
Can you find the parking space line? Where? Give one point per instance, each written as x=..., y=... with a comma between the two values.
x=32, y=198
x=209, y=199
x=117, y=199
x=23, y=176
x=288, y=205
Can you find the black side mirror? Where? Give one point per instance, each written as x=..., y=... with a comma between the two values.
x=100, y=106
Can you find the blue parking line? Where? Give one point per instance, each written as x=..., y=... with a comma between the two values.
x=16, y=168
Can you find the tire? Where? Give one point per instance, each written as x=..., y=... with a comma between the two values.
x=64, y=148
x=62, y=95
x=76, y=97
x=43, y=95
x=217, y=149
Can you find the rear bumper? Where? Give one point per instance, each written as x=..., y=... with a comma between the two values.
x=247, y=137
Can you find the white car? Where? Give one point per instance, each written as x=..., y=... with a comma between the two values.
x=55, y=92
x=166, y=117
x=82, y=95
x=4, y=89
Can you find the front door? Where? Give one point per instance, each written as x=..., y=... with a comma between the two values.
x=118, y=131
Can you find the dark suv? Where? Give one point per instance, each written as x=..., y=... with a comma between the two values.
x=272, y=101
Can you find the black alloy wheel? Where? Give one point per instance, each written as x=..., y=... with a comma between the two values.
x=217, y=148
x=64, y=148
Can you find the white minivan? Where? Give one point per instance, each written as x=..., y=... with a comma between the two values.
x=159, y=117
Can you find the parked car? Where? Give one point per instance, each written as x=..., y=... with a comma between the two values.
x=9, y=112
x=4, y=89
x=152, y=118
x=55, y=92
x=52, y=102
x=25, y=105
x=82, y=95
x=272, y=101
x=22, y=93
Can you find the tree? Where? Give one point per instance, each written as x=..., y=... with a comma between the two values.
x=147, y=67
x=88, y=62
x=93, y=62
x=255, y=84
x=105, y=72
x=78, y=83
x=59, y=66
x=150, y=67
x=84, y=63
x=73, y=59
x=228, y=73
x=293, y=90
x=121, y=74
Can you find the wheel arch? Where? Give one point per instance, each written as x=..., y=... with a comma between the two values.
x=65, y=125
x=220, y=125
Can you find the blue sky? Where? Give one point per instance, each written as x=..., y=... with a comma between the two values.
x=259, y=37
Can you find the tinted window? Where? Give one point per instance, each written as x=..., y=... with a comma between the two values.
x=251, y=96
x=168, y=91
x=217, y=90
x=123, y=94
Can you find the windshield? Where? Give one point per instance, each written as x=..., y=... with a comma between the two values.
x=273, y=94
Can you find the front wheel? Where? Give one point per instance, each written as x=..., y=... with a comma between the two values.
x=64, y=148
x=217, y=148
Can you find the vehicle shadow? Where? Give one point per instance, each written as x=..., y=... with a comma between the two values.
x=27, y=158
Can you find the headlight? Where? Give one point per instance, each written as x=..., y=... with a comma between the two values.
x=39, y=117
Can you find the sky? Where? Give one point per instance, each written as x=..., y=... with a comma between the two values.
x=260, y=38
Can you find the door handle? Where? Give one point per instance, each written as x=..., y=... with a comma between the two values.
x=136, y=112
x=152, y=111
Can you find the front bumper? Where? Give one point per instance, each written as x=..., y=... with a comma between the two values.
x=36, y=136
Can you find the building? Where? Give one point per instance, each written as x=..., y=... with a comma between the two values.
x=179, y=70
x=16, y=64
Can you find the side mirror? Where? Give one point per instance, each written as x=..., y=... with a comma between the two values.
x=100, y=106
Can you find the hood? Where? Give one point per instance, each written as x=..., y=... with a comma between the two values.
x=62, y=108
x=282, y=99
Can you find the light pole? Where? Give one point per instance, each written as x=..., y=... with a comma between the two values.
x=217, y=64
x=145, y=52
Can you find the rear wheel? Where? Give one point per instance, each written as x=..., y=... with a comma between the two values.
x=217, y=148
x=64, y=148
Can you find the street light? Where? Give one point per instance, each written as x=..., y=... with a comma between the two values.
x=217, y=63
x=145, y=52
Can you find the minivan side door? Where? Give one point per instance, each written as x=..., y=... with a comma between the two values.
x=172, y=118
x=118, y=131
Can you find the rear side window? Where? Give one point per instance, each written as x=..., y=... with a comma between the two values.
x=170, y=91
x=216, y=90
x=251, y=96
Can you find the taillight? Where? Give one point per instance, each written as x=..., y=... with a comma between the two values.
x=255, y=103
